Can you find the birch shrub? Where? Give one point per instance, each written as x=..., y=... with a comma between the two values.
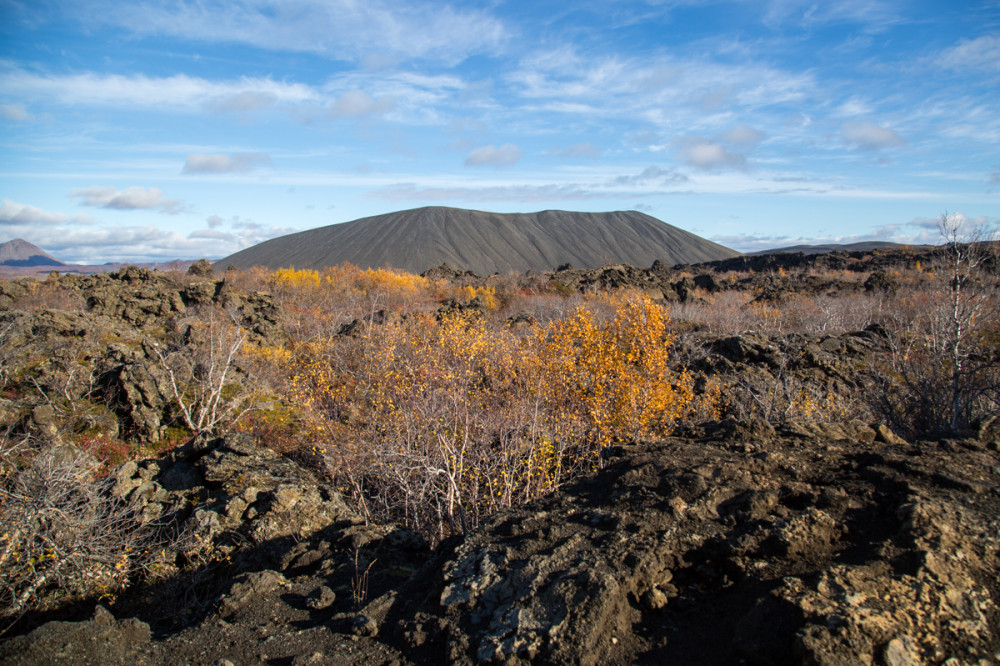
x=438, y=423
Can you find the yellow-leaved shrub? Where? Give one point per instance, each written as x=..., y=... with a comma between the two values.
x=439, y=423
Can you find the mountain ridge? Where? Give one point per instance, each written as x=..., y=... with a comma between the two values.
x=418, y=239
x=824, y=248
x=20, y=253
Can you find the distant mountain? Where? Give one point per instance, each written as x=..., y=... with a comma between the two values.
x=21, y=253
x=834, y=247
x=422, y=238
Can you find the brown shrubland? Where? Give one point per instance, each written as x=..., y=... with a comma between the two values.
x=437, y=403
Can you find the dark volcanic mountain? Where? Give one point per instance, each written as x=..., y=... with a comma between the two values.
x=22, y=253
x=422, y=238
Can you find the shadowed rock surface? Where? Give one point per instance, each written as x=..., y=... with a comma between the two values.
x=419, y=239
x=810, y=543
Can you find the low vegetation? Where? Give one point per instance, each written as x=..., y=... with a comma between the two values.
x=437, y=422
x=435, y=402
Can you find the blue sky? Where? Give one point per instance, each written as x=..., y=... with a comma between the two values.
x=142, y=131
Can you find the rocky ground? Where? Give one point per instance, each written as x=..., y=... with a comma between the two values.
x=812, y=543
x=734, y=541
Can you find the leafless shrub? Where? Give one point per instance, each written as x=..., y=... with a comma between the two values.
x=842, y=314
x=972, y=303
x=942, y=371
x=202, y=374
x=6, y=350
x=49, y=294
x=785, y=397
x=63, y=535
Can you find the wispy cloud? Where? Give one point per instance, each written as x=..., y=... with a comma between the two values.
x=701, y=153
x=620, y=86
x=241, y=233
x=338, y=29
x=674, y=98
x=222, y=163
x=212, y=234
x=917, y=231
x=14, y=112
x=132, y=243
x=13, y=213
x=743, y=135
x=80, y=238
x=496, y=156
x=965, y=223
x=980, y=53
x=873, y=15
x=758, y=242
x=98, y=244
x=179, y=92
x=506, y=193
x=653, y=175
x=131, y=198
x=360, y=103
x=420, y=96
x=869, y=136
x=246, y=101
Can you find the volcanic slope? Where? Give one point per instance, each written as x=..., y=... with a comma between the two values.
x=422, y=238
x=19, y=252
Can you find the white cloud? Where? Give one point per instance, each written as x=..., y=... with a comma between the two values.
x=853, y=107
x=238, y=223
x=926, y=222
x=100, y=245
x=360, y=103
x=890, y=233
x=376, y=61
x=179, y=92
x=742, y=135
x=339, y=29
x=243, y=102
x=221, y=163
x=704, y=154
x=502, y=156
x=241, y=233
x=13, y=213
x=966, y=224
x=650, y=181
x=212, y=234
x=419, y=95
x=509, y=193
x=980, y=53
x=131, y=198
x=875, y=15
x=617, y=86
x=918, y=231
x=869, y=136
x=145, y=243
x=652, y=175
x=14, y=112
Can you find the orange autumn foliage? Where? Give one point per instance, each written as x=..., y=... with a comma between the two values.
x=439, y=423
